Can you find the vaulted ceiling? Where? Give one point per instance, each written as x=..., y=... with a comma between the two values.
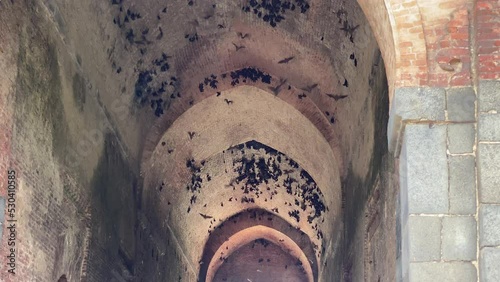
x=246, y=118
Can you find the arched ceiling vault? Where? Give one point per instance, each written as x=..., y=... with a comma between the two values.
x=271, y=227
x=253, y=117
x=287, y=82
x=199, y=170
x=254, y=233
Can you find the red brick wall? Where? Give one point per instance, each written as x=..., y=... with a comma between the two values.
x=434, y=41
x=487, y=35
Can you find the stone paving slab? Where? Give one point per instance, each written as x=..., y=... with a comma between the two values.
x=459, y=238
x=425, y=238
x=489, y=95
x=462, y=170
x=461, y=138
x=461, y=104
x=489, y=127
x=442, y=272
x=488, y=172
x=426, y=168
x=489, y=225
x=489, y=265
x=419, y=103
x=414, y=103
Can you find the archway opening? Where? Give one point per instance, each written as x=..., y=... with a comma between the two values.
x=261, y=260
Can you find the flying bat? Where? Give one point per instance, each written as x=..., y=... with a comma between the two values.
x=159, y=35
x=286, y=60
x=243, y=36
x=276, y=90
x=205, y=216
x=336, y=97
x=238, y=47
x=348, y=29
x=309, y=88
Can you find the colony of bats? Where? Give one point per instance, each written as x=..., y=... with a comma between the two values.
x=258, y=174
x=254, y=165
x=156, y=86
x=273, y=12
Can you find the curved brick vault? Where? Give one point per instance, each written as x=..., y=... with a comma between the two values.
x=234, y=141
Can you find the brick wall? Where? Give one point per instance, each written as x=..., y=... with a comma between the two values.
x=487, y=35
x=433, y=43
x=37, y=107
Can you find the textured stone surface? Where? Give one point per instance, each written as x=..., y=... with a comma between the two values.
x=461, y=138
x=414, y=103
x=460, y=104
x=489, y=265
x=419, y=103
x=489, y=225
x=425, y=238
x=489, y=127
x=2, y=216
x=459, y=238
x=443, y=272
x=489, y=95
x=488, y=173
x=427, y=168
x=462, y=184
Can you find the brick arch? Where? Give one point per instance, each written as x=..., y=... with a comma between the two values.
x=277, y=228
x=423, y=44
x=307, y=107
x=247, y=235
x=399, y=32
x=221, y=58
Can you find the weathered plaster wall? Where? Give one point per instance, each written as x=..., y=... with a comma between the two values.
x=60, y=140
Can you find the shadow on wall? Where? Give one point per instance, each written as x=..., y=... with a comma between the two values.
x=114, y=211
x=356, y=189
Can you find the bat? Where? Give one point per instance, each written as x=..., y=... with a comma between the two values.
x=193, y=199
x=243, y=36
x=205, y=216
x=286, y=60
x=159, y=35
x=336, y=97
x=348, y=29
x=276, y=90
x=309, y=88
x=238, y=47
